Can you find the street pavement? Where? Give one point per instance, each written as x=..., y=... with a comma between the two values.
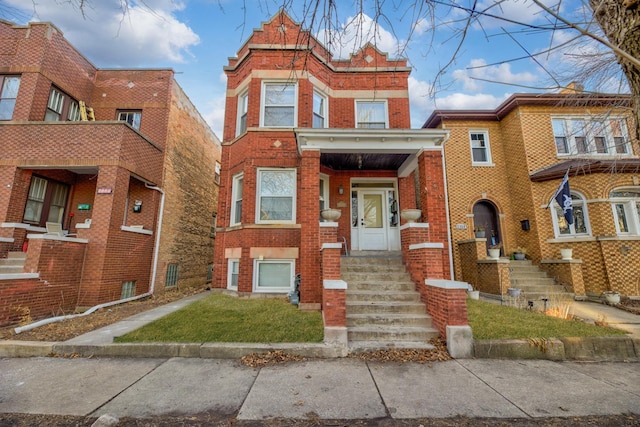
x=340, y=388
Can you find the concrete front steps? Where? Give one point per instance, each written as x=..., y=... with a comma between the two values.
x=13, y=264
x=383, y=307
x=535, y=284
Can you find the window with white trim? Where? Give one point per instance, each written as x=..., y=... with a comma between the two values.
x=279, y=105
x=319, y=110
x=625, y=203
x=324, y=191
x=580, y=226
x=236, y=199
x=233, y=274
x=9, y=86
x=131, y=117
x=243, y=109
x=480, y=150
x=590, y=136
x=276, y=196
x=46, y=201
x=371, y=115
x=273, y=275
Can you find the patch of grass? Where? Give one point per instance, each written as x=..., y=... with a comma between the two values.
x=220, y=318
x=494, y=321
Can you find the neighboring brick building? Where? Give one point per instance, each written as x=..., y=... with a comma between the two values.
x=503, y=167
x=101, y=173
x=304, y=132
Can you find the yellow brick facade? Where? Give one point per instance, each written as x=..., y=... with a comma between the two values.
x=522, y=145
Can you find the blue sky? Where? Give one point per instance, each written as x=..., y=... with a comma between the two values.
x=196, y=37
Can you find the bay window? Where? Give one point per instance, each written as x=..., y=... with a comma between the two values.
x=9, y=86
x=236, y=199
x=276, y=196
x=278, y=105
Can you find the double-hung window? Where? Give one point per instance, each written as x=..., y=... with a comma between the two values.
x=233, y=274
x=61, y=106
x=580, y=226
x=276, y=196
x=371, y=114
x=243, y=109
x=626, y=210
x=590, y=136
x=131, y=117
x=9, y=86
x=480, y=150
x=279, y=105
x=236, y=199
x=319, y=110
x=46, y=201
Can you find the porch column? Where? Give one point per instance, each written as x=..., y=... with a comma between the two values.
x=433, y=202
x=308, y=216
x=107, y=215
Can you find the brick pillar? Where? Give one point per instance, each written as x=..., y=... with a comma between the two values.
x=106, y=218
x=308, y=210
x=334, y=294
x=433, y=202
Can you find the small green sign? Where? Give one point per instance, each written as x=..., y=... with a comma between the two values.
x=84, y=207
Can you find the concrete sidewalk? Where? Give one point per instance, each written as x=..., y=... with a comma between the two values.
x=325, y=389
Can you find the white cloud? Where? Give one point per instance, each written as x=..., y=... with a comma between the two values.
x=462, y=101
x=477, y=73
x=146, y=34
x=420, y=101
x=355, y=33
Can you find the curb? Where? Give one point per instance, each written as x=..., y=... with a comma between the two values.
x=598, y=349
x=579, y=349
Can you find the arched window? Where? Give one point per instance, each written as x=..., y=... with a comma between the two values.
x=625, y=203
x=580, y=226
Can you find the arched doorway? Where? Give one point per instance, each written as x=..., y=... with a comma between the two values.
x=485, y=214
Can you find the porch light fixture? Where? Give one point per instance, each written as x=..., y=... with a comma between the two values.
x=340, y=189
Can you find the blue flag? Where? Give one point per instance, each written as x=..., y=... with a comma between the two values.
x=563, y=198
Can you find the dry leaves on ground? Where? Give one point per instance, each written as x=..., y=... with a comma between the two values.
x=276, y=357
x=70, y=328
x=401, y=355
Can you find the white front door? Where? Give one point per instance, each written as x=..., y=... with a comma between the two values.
x=372, y=220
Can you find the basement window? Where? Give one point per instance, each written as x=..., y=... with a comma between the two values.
x=128, y=289
x=172, y=276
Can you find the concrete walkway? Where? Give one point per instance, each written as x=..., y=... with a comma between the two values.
x=325, y=389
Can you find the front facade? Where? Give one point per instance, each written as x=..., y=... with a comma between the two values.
x=504, y=166
x=303, y=133
x=119, y=160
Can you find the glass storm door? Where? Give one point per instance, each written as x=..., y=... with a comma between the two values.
x=372, y=222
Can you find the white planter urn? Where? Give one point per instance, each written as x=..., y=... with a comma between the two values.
x=611, y=297
x=411, y=215
x=473, y=294
x=566, y=253
x=330, y=215
x=494, y=253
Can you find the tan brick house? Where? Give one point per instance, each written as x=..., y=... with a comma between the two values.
x=503, y=167
x=120, y=159
x=306, y=132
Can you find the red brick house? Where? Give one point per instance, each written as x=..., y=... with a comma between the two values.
x=120, y=160
x=305, y=132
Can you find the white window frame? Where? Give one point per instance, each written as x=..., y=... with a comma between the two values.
x=231, y=262
x=324, y=192
x=235, y=198
x=7, y=98
x=324, y=113
x=263, y=105
x=55, y=105
x=593, y=126
x=372, y=101
x=630, y=210
x=258, y=215
x=135, y=115
x=487, y=147
x=572, y=228
x=243, y=111
x=282, y=289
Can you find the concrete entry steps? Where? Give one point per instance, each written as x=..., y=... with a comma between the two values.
x=14, y=263
x=383, y=308
x=535, y=284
